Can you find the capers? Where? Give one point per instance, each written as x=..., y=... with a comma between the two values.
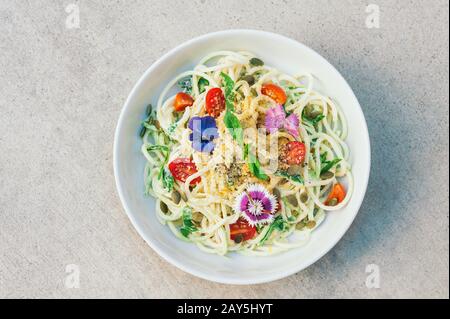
x=327, y=175
x=184, y=197
x=292, y=199
x=149, y=110
x=250, y=79
x=176, y=197
x=311, y=224
x=332, y=202
x=239, y=238
x=163, y=207
x=276, y=193
x=294, y=170
x=256, y=62
x=304, y=197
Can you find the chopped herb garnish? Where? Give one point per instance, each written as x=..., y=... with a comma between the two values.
x=188, y=226
x=327, y=165
x=202, y=84
x=186, y=84
x=253, y=164
x=294, y=178
x=278, y=224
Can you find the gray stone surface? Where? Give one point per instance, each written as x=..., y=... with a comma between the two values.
x=61, y=91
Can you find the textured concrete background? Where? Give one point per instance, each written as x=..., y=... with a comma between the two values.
x=61, y=91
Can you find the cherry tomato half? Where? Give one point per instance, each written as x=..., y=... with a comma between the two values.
x=242, y=230
x=182, y=168
x=274, y=92
x=182, y=101
x=294, y=153
x=215, y=102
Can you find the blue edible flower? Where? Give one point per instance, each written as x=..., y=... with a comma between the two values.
x=204, y=131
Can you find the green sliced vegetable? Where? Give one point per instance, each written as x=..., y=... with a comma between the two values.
x=186, y=84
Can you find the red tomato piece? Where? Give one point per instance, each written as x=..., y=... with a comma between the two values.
x=182, y=101
x=338, y=193
x=274, y=92
x=215, y=102
x=182, y=168
x=294, y=153
x=242, y=229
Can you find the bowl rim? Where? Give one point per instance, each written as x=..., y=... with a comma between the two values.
x=191, y=270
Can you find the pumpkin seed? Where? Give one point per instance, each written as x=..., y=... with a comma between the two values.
x=163, y=207
x=176, y=197
x=184, y=197
x=276, y=193
x=304, y=197
x=250, y=79
x=148, y=110
x=256, y=62
x=311, y=224
x=197, y=217
x=292, y=199
x=332, y=202
x=294, y=170
x=239, y=238
x=327, y=175
x=142, y=131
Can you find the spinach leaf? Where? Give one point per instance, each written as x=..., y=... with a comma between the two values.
x=329, y=164
x=253, y=164
x=277, y=224
x=294, y=178
x=188, y=226
x=313, y=121
x=234, y=126
x=202, y=84
x=229, y=92
x=167, y=180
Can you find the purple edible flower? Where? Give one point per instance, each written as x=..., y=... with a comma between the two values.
x=276, y=119
x=256, y=205
x=204, y=131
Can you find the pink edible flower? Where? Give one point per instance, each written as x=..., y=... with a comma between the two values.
x=276, y=119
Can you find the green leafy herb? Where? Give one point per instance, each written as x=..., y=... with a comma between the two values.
x=256, y=62
x=253, y=164
x=188, y=226
x=202, y=84
x=229, y=92
x=278, y=224
x=186, y=84
x=234, y=126
x=167, y=180
x=327, y=165
x=314, y=120
x=294, y=178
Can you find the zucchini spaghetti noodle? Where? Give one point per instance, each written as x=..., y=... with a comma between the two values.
x=244, y=158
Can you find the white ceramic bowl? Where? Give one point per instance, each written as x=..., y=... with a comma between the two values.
x=278, y=51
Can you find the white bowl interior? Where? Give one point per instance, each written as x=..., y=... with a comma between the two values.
x=288, y=56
